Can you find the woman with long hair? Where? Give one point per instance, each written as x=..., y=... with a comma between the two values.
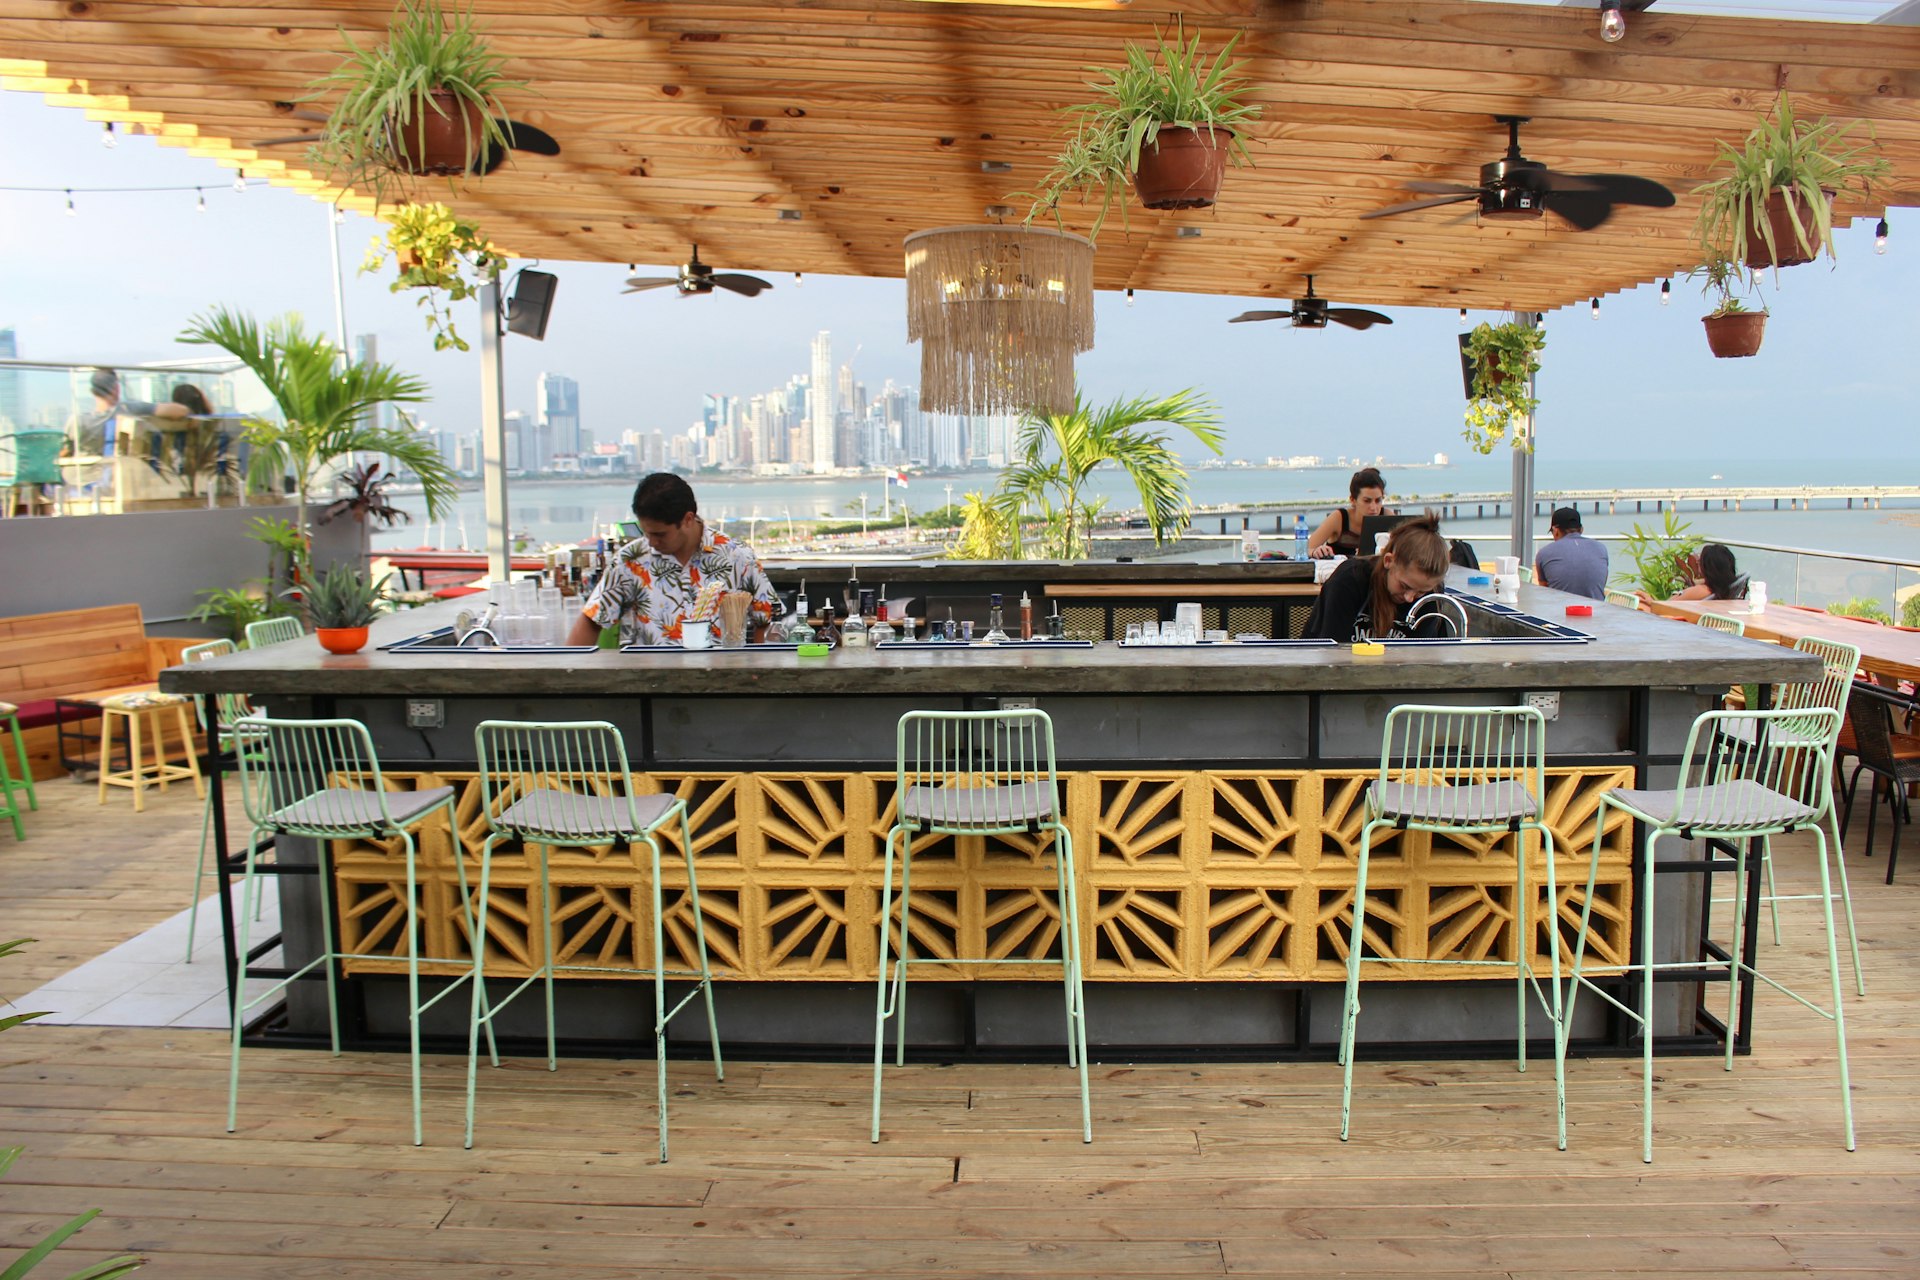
x=1719, y=577
x=1339, y=533
x=1367, y=597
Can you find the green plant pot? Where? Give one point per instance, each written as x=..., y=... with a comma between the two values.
x=1787, y=227
x=1736, y=335
x=1182, y=169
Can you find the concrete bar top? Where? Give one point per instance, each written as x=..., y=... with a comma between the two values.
x=1628, y=649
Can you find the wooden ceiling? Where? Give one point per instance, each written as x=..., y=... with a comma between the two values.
x=872, y=119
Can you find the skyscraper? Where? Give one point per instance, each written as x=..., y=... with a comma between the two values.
x=822, y=409
x=12, y=411
x=559, y=418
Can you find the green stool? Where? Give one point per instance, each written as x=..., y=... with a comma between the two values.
x=273, y=631
x=9, y=785
x=548, y=785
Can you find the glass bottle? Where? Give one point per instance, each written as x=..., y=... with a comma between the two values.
x=828, y=633
x=996, y=626
x=1026, y=616
x=950, y=629
x=801, y=632
x=853, y=632
x=880, y=633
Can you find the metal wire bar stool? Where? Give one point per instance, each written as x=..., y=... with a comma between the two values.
x=975, y=773
x=233, y=708
x=1746, y=775
x=1458, y=771
x=569, y=785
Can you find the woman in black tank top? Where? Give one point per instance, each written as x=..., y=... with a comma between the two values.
x=1339, y=534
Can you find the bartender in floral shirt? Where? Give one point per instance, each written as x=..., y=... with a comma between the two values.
x=654, y=580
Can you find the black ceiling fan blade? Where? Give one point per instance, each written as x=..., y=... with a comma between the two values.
x=1629, y=188
x=750, y=286
x=1410, y=205
x=636, y=284
x=1552, y=180
x=522, y=136
x=286, y=141
x=1260, y=315
x=1585, y=210
x=1441, y=188
x=1357, y=317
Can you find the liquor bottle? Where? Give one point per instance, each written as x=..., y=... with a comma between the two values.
x=996, y=629
x=951, y=629
x=880, y=633
x=1026, y=617
x=801, y=632
x=1299, y=537
x=852, y=601
x=828, y=633
x=853, y=633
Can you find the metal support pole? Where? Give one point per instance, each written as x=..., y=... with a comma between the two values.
x=1521, y=538
x=493, y=435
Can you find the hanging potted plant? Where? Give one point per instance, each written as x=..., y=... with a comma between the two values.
x=1163, y=122
x=341, y=604
x=1774, y=205
x=444, y=256
x=1732, y=329
x=422, y=103
x=1504, y=359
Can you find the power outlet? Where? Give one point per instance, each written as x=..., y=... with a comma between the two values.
x=426, y=713
x=1547, y=704
x=1017, y=704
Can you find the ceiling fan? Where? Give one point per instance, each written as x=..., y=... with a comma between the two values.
x=520, y=137
x=1314, y=313
x=1516, y=187
x=698, y=277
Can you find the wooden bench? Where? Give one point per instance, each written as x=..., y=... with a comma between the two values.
x=75, y=657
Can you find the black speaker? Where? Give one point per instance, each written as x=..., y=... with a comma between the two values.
x=531, y=304
x=1466, y=367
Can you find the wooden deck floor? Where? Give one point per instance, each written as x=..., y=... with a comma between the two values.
x=1212, y=1170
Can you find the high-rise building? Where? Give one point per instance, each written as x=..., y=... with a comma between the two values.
x=513, y=430
x=12, y=409
x=559, y=418
x=822, y=406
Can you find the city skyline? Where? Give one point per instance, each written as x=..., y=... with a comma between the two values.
x=115, y=283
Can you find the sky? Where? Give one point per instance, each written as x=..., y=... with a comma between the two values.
x=115, y=282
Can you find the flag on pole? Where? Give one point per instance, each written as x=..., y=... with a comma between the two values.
x=900, y=478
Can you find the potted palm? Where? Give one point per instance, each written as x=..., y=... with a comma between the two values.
x=341, y=604
x=1732, y=329
x=423, y=102
x=1504, y=359
x=1163, y=122
x=444, y=256
x=1774, y=205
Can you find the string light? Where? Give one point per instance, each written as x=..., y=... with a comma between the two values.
x=339, y=215
x=1596, y=308
x=109, y=139
x=71, y=212
x=1666, y=292
x=1613, y=23
x=1129, y=297
x=240, y=181
x=1463, y=315
x=1880, y=236
x=797, y=282
x=200, y=204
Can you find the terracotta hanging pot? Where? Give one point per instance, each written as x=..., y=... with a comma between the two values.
x=446, y=139
x=341, y=640
x=1735, y=335
x=1182, y=168
x=1781, y=221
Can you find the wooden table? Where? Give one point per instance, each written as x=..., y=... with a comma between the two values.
x=1884, y=651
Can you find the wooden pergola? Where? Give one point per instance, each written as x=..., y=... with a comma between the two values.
x=814, y=137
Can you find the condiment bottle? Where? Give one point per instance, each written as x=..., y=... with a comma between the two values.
x=1026, y=616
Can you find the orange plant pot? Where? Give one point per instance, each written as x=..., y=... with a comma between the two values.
x=341, y=639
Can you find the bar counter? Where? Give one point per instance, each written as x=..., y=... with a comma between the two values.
x=1214, y=795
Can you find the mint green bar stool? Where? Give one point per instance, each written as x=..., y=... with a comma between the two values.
x=233, y=707
x=1721, y=622
x=1746, y=775
x=976, y=773
x=1463, y=771
x=9, y=787
x=569, y=785
x=297, y=779
x=270, y=631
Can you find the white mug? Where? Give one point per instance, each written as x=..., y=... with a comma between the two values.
x=1756, y=597
x=696, y=635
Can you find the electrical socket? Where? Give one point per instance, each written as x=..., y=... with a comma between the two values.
x=426, y=713
x=1017, y=704
x=1547, y=704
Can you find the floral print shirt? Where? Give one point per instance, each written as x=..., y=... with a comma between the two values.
x=652, y=594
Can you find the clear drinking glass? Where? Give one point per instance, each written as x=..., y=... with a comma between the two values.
x=1150, y=633
x=1133, y=633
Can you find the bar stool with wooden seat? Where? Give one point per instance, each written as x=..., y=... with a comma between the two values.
x=976, y=773
x=145, y=716
x=568, y=785
x=1463, y=771
x=1746, y=775
x=9, y=786
x=321, y=779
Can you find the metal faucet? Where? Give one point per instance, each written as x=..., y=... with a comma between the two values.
x=1439, y=604
x=465, y=628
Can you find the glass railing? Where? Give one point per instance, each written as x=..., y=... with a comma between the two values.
x=1879, y=587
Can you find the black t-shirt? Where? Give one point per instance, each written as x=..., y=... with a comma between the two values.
x=1344, y=611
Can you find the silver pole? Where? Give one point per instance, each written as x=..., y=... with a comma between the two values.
x=339, y=290
x=1521, y=537
x=493, y=435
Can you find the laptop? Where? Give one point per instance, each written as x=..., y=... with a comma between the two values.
x=1379, y=524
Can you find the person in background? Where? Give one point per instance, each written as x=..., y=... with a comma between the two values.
x=1719, y=578
x=192, y=399
x=1339, y=533
x=655, y=580
x=1572, y=562
x=1367, y=597
x=94, y=433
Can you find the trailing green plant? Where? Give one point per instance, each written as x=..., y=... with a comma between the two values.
x=444, y=256
x=1172, y=86
x=387, y=95
x=342, y=596
x=1802, y=161
x=1721, y=275
x=38, y=1253
x=328, y=406
x=1861, y=607
x=1504, y=359
x=1658, y=556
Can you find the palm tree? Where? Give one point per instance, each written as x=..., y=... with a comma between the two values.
x=327, y=406
x=1057, y=452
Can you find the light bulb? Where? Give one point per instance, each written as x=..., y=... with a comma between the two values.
x=109, y=139
x=797, y=281
x=200, y=205
x=1463, y=315
x=1880, y=236
x=1613, y=23
x=1129, y=297
x=1666, y=292
x=240, y=181
x=339, y=215
x=71, y=212
x=1596, y=308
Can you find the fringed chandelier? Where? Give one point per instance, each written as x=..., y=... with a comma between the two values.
x=1000, y=313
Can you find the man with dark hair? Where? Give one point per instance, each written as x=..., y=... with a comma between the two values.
x=1572, y=562
x=655, y=581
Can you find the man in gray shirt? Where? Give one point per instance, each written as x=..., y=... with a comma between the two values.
x=1572, y=562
